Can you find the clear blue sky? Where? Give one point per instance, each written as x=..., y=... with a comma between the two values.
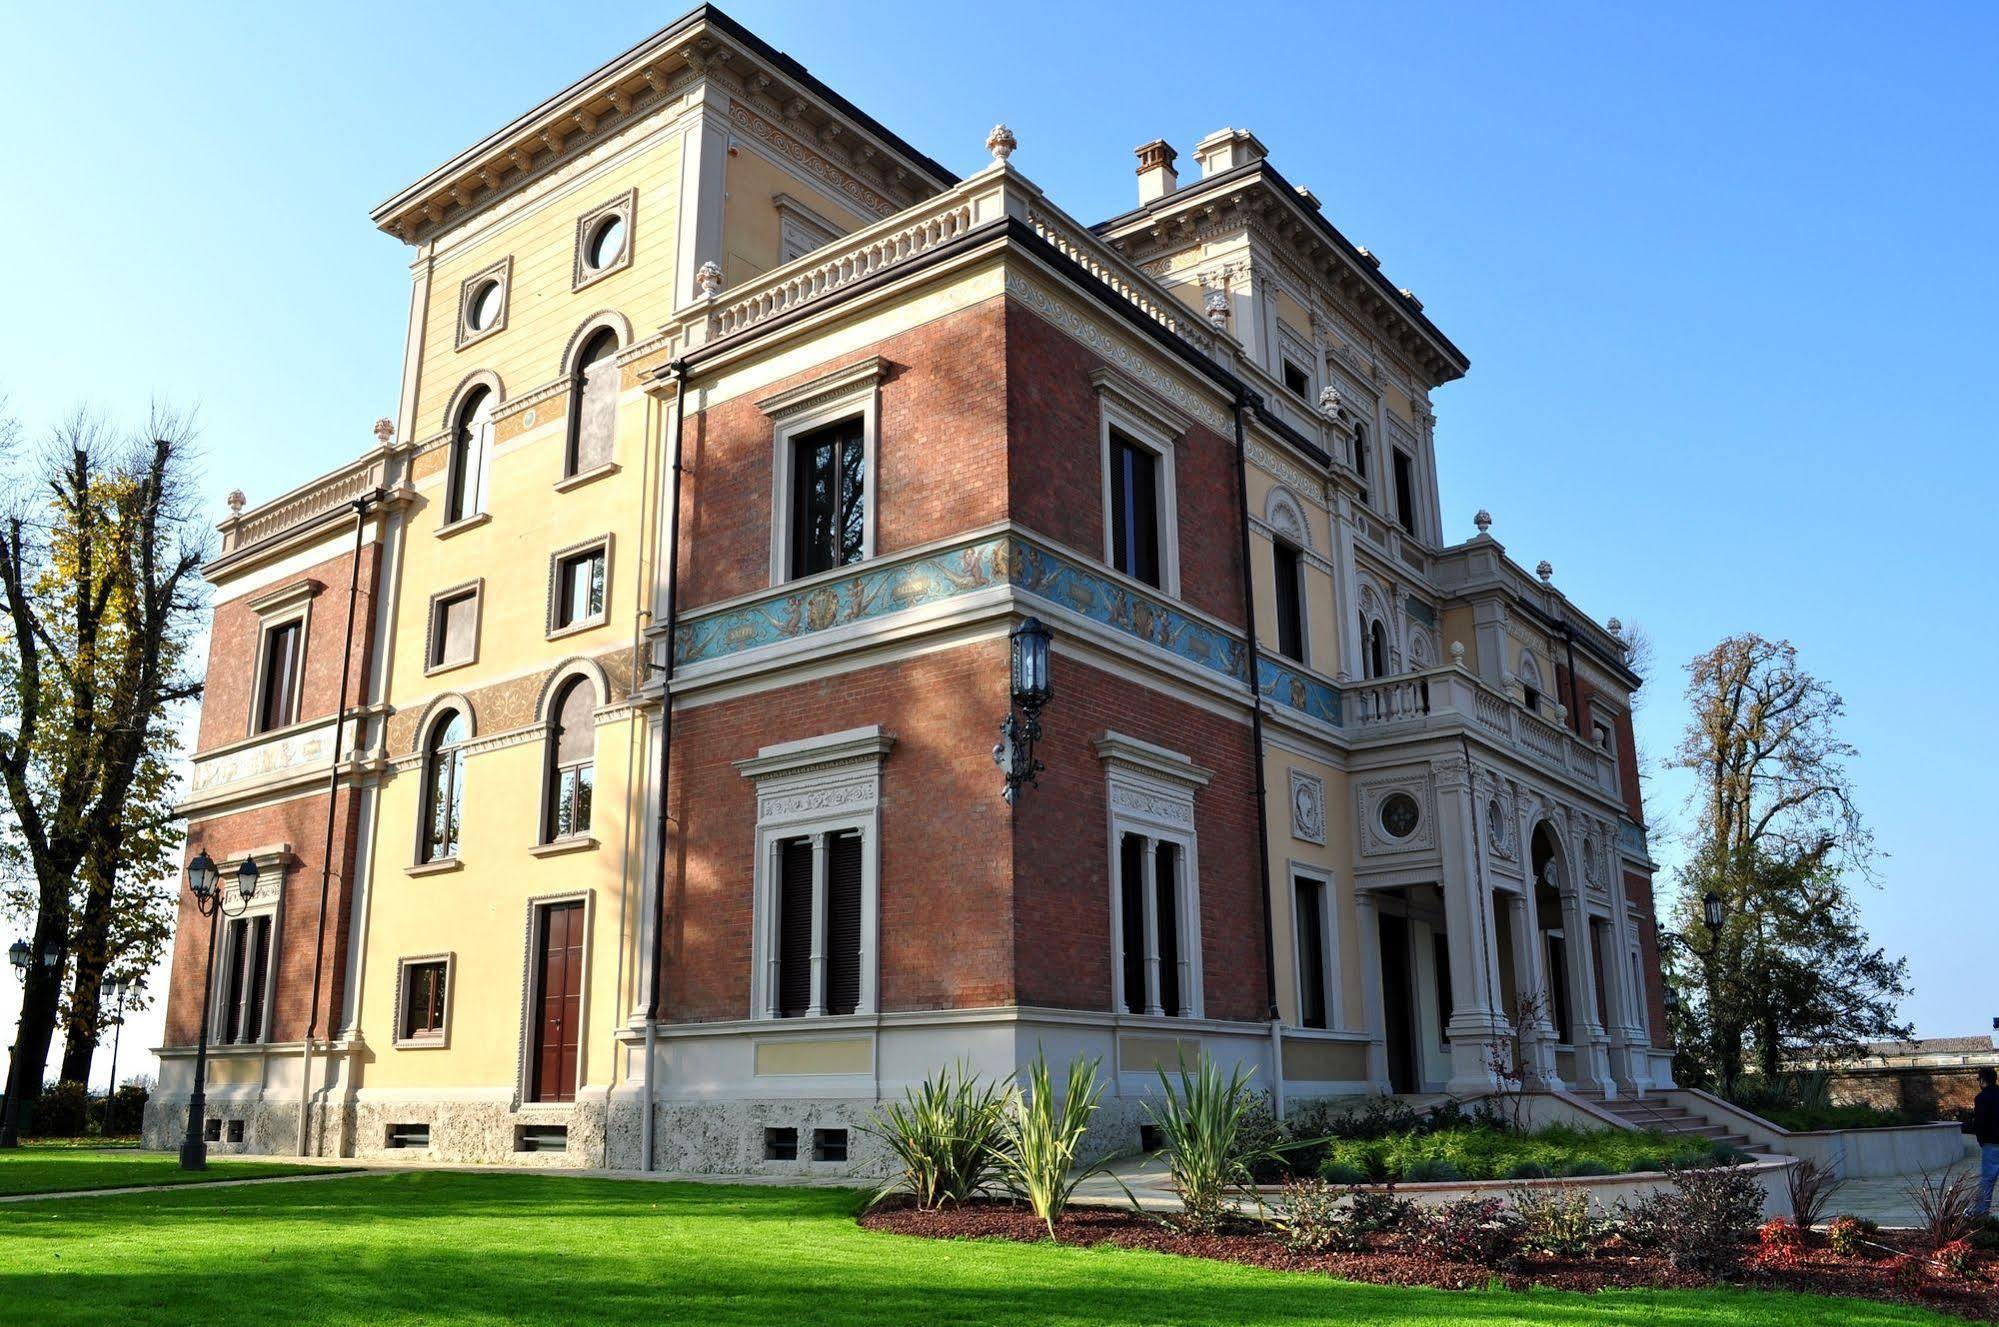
x=1726, y=276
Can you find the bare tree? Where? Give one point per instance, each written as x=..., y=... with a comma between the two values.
x=99, y=594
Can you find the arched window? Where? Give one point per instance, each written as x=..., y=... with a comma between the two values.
x=443, y=786
x=1377, y=649
x=593, y=403
x=572, y=753
x=471, y=456
x=1530, y=682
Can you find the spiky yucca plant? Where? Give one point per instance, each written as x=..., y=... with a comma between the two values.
x=946, y=1133
x=1044, y=1139
x=1209, y=1152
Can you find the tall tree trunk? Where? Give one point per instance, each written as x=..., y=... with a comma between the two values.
x=90, y=949
x=40, y=995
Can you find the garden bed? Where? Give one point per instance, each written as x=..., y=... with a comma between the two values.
x=1390, y=1259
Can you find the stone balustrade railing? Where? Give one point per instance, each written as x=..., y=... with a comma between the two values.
x=988, y=197
x=1453, y=692
x=337, y=489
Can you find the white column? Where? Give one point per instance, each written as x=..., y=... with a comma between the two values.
x=818, y=1005
x=1149, y=902
x=704, y=161
x=1374, y=1022
x=1475, y=1028
x=1543, y=1021
x=1183, y=974
x=1592, y=1066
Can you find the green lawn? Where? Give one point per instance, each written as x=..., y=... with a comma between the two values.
x=59, y=1167
x=454, y=1247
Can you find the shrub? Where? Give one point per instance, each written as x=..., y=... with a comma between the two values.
x=1702, y=1221
x=62, y=1111
x=945, y=1133
x=1812, y=1186
x=1561, y=1220
x=1311, y=1219
x=1956, y=1258
x=128, y=1110
x=1779, y=1243
x=1339, y=1172
x=1906, y=1272
x=1943, y=1199
x=1431, y=1171
x=1581, y=1168
x=1210, y=1153
x=1529, y=1170
x=1844, y=1236
x=1044, y=1136
x=1379, y=1211
x=1473, y=1230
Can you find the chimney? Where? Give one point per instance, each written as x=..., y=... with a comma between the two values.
x=1225, y=149
x=1156, y=176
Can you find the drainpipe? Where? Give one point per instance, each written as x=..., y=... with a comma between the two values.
x=1256, y=743
x=678, y=368
x=361, y=505
x=1575, y=695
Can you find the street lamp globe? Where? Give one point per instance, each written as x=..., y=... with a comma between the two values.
x=201, y=876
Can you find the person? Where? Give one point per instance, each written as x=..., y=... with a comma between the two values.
x=1985, y=1128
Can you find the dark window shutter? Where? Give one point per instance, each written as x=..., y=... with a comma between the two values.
x=232, y=1015
x=1131, y=894
x=843, y=923
x=260, y=954
x=1169, y=932
x=794, y=927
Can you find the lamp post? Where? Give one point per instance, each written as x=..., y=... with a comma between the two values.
x=209, y=900
x=20, y=954
x=1032, y=688
x=114, y=988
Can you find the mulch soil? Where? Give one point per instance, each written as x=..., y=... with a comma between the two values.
x=1391, y=1261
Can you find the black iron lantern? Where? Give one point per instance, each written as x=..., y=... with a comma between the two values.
x=51, y=955
x=201, y=874
x=18, y=954
x=1711, y=910
x=1670, y=997
x=1032, y=686
x=246, y=880
x=1021, y=728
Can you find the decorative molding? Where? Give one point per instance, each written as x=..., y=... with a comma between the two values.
x=1369, y=794
x=1308, y=807
x=625, y=208
x=502, y=272
x=1285, y=515
x=809, y=395
x=848, y=186
x=1134, y=398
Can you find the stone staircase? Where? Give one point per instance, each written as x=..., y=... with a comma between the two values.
x=1665, y=1112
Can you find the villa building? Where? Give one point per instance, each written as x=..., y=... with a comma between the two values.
x=614, y=737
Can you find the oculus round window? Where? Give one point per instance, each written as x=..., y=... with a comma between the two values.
x=482, y=310
x=1399, y=815
x=606, y=244
x=1495, y=824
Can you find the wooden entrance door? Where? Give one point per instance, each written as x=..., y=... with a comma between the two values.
x=558, y=1001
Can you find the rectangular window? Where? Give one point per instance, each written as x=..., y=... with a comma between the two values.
x=1405, y=491
x=1297, y=381
x=1151, y=957
x=1361, y=459
x=246, y=955
x=1311, y=911
x=579, y=589
x=829, y=1144
x=277, y=687
x=423, y=1001
x=819, y=971
x=780, y=1144
x=829, y=497
x=454, y=629
x=1289, y=564
x=1134, y=510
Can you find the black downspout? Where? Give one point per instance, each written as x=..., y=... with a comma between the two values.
x=1575, y=696
x=1255, y=707
x=332, y=797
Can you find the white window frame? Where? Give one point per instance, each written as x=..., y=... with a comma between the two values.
x=1290, y=349
x=814, y=788
x=1329, y=940
x=1150, y=792
x=476, y=589
x=281, y=608
x=594, y=681
x=1141, y=418
x=268, y=901
x=1298, y=550
x=625, y=208
x=433, y=715
x=502, y=272
x=555, y=561
x=827, y=399
x=442, y=1039
x=479, y=447
x=800, y=230
x=1603, y=714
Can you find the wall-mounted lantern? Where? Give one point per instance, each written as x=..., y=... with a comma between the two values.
x=1032, y=687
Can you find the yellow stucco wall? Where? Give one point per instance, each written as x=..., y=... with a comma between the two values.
x=750, y=217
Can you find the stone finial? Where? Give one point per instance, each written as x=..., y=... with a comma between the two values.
x=1561, y=712
x=1616, y=627
x=1410, y=295
x=1001, y=143
x=1217, y=304
x=385, y=430
x=1457, y=654
x=708, y=277
x=236, y=501
x=1545, y=570
x=1330, y=400
x=1483, y=521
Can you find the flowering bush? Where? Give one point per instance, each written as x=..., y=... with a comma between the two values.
x=1779, y=1243
x=1845, y=1235
x=1474, y=1230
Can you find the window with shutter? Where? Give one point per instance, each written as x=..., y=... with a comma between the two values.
x=260, y=964
x=794, y=928
x=232, y=1009
x=843, y=922
x=1167, y=883
x=593, y=411
x=1131, y=890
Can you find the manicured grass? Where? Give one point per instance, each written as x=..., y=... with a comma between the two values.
x=454, y=1247
x=1481, y=1153
x=60, y=1167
